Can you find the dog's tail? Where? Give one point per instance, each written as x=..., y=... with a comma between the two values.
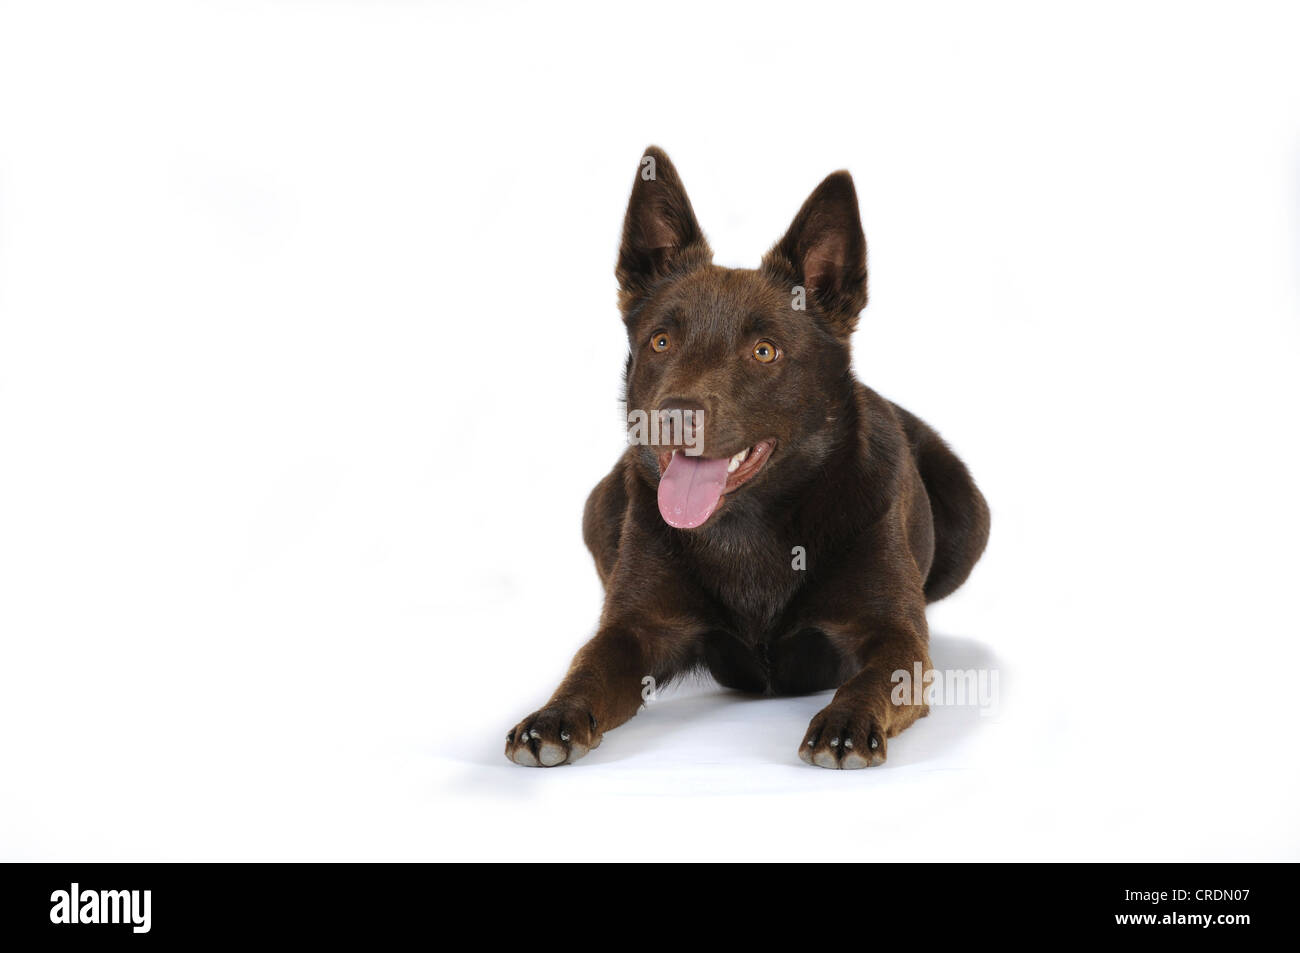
x=961, y=516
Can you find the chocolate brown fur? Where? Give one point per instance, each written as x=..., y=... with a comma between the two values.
x=888, y=517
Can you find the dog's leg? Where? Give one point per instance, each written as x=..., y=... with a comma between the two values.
x=602, y=690
x=602, y=521
x=853, y=730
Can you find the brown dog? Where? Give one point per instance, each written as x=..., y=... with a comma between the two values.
x=790, y=527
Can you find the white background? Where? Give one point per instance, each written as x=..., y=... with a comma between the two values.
x=309, y=357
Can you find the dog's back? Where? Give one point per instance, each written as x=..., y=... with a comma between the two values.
x=957, y=508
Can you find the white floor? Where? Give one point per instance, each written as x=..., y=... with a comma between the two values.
x=312, y=740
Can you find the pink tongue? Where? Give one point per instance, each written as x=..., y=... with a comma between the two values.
x=689, y=489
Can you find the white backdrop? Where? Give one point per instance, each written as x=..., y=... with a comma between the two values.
x=309, y=357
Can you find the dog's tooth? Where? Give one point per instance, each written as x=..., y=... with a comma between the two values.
x=740, y=457
x=733, y=465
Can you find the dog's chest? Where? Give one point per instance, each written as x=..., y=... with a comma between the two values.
x=764, y=643
x=753, y=578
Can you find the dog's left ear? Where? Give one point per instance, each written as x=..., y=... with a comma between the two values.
x=660, y=233
x=825, y=252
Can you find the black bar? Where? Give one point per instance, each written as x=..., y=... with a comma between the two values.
x=210, y=902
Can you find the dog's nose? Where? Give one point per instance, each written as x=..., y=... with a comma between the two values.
x=681, y=421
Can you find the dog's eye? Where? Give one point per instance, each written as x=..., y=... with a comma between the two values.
x=765, y=352
x=660, y=341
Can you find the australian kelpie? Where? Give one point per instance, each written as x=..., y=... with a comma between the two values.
x=788, y=535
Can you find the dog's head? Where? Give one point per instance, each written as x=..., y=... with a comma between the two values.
x=735, y=377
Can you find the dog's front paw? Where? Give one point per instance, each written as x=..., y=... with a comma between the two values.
x=557, y=734
x=844, y=737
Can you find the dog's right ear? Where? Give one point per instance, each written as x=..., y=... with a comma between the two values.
x=660, y=233
x=825, y=251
